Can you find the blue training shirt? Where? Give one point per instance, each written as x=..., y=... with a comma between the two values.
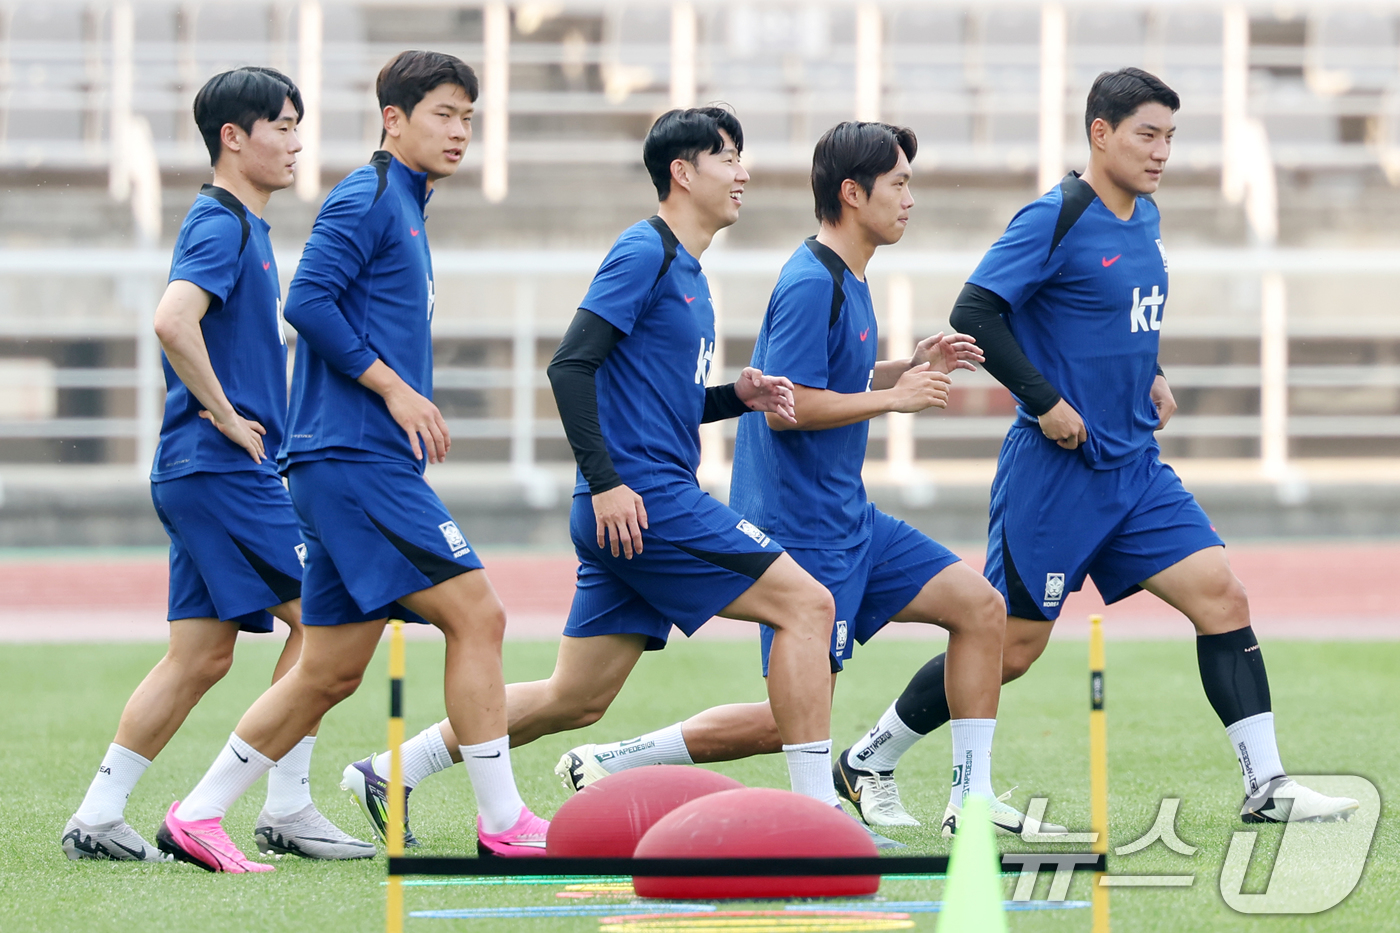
x=363, y=292
x=1087, y=293
x=224, y=249
x=651, y=387
x=804, y=488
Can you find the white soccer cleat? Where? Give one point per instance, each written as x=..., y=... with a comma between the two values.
x=1006, y=820
x=116, y=841
x=579, y=767
x=873, y=793
x=1284, y=800
x=309, y=834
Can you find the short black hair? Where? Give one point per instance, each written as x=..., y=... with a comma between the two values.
x=409, y=76
x=1116, y=94
x=861, y=152
x=684, y=134
x=241, y=97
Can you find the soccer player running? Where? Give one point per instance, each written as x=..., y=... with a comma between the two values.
x=820, y=331
x=360, y=430
x=234, y=544
x=654, y=550
x=1068, y=307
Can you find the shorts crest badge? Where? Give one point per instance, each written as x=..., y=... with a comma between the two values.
x=1054, y=588
x=841, y=635
x=301, y=554
x=453, y=536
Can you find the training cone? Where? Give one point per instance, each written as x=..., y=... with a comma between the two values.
x=972, y=897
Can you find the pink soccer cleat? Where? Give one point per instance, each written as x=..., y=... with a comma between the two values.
x=525, y=838
x=203, y=843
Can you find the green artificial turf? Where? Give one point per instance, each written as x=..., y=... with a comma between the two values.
x=1335, y=705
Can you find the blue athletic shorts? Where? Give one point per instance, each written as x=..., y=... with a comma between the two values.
x=698, y=556
x=1054, y=520
x=374, y=532
x=235, y=549
x=870, y=581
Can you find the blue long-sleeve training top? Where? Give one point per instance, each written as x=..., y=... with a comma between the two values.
x=363, y=292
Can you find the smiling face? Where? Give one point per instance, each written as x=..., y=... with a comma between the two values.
x=884, y=213
x=266, y=157
x=435, y=136
x=715, y=181
x=1134, y=155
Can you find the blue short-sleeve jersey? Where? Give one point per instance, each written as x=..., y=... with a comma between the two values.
x=651, y=387
x=362, y=292
x=1087, y=293
x=804, y=488
x=225, y=250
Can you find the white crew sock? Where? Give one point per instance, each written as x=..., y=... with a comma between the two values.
x=116, y=777
x=662, y=747
x=883, y=746
x=424, y=754
x=809, y=767
x=228, y=778
x=1256, y=747
x=289, y=782
x=972, y=759
x=497, y=800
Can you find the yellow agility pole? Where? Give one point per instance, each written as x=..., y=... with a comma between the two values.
x=393, y=833
x=1098, y=770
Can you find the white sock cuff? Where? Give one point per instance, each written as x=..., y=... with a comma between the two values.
x=436, y=747
x=303, y=747
x=127, y=756
x=249, y=753
x=823, y=746
x=1251, y=721
x=495, y=745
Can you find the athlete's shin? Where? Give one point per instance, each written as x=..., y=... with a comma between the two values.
x=1237, y=685
x=731, y=732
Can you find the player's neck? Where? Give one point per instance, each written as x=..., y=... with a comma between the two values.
x=848, y=241
x=234, y=182
x=391, y=146
x=1121, y=201
x=694, y=233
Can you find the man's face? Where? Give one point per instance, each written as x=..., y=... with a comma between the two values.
x=1135, y=154
x=717, y=183
x=269, y=154
x=435, y=137
x=885, y=212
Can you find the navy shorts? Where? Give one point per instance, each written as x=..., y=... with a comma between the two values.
x=374, y=532
x=1055, y=520
x=870, y=581
x=235, y=549
x=698, y=556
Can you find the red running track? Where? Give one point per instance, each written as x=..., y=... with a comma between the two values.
x=1316, y=591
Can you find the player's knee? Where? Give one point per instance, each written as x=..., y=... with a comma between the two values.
x=989, y=614
x=1234, y=599
x=1016, y=659
x=815, y=611
x=207, y=670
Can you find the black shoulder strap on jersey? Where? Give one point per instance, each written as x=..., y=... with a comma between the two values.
x=668, y=242
x=235, y=207
x=837, y=267
x=1076, y=196
x=380, y=160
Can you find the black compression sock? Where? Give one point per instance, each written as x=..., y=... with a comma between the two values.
x=1232, y=672
x=923, y=706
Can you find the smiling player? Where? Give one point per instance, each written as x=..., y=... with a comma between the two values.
x=234, y=542
x=1068, y=307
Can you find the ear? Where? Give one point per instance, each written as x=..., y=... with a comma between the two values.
x=681, y=173
x=232, y=137
x=852, y=194
x=1099, y=132
x=394, y=120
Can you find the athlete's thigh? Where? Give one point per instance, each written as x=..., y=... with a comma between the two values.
x=773, y=598
x=1204, y=589
x=595, y=666
x=457, y=604
x=339, y=650
x=909, y=574
x=195, y=640
x=956, y=593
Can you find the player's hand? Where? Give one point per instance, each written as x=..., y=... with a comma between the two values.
x=420, y=418
x=621, y=516
x=246, y=434
x=920, y=388
x=947, y=352
x=766, y=393
x=1164, y=400
x=1063, y=425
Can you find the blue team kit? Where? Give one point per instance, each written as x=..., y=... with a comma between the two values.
x=820, y=332
x=375, y=531
x=1087, y=293
x=234, y=548
x=698, y=554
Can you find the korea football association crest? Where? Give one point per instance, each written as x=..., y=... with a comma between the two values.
x=841, y=635
x=301, y=555
x=453, y=536
x=1054, y=589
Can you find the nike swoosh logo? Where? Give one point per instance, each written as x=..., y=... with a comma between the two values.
x=497, y=755
x=412, y=231
x=852, y=792
x=863, y=334
x=266, y=266
x=1108, y=262
x=138, y=854
x=236, y=755
x=816, y=751
x=688, y=299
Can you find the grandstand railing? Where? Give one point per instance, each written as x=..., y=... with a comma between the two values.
x=524, y=300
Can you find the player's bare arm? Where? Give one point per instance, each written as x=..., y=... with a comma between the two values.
x=417, y=415
x=916, y=390
x=1164, y=400
x=181, y=308
x=943, y=352
x=772, y=394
